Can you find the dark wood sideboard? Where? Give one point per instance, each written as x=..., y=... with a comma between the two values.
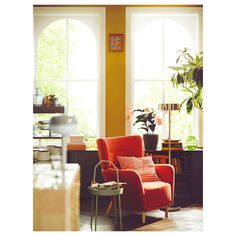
x=189, y=181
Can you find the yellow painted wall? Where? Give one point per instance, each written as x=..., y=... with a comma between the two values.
x=115, y=74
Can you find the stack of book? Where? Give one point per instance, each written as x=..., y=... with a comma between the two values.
x=76, y=143
x=174, y=145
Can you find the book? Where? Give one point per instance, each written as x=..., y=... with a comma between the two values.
x=75, y=146
x=107, y=185
x=172, y=145
x=172, y=140
x=77, y=139
x=172, y=149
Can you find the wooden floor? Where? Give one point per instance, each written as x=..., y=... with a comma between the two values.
x=187, y=219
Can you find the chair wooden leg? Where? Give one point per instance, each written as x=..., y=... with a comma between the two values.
x=166, y=212
x=143, y=217
x=109, y=208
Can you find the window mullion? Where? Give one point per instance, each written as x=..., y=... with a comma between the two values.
x=67, y=66
x=163, y=82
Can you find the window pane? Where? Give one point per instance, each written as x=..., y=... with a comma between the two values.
x=83, y=104
x=82, y=54
x=148, y=51
x=177, y=37
x=181, y=124
x=51, y=53
x=148, y=94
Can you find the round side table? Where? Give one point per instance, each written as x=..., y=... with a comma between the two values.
x=105, y=192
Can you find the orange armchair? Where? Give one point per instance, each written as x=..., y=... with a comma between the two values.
x=138, y=196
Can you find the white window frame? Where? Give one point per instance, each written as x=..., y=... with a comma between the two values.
x=129, y=81
x=68, y=12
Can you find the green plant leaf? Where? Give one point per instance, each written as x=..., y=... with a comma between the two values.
x=189, y=74
x=189, y=105
x=189, y=56
x=181, y=104
x=177, y=60
x=152, y=127
x=180, y=79
x=197, y=59
x=198, y=77
x=175, y=68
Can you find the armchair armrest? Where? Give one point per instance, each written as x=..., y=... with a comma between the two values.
x=133, y=191
x=166, y=173
x=131, y=177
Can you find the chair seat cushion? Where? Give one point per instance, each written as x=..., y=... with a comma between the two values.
x=157, y=194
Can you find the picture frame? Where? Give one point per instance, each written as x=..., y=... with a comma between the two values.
x=116, y=42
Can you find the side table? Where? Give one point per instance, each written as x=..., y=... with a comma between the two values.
x=96, y=192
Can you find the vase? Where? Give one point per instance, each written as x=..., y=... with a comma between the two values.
x=150, y=141
x=191, y=143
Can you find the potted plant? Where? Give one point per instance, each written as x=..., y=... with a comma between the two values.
x=146, y=119
x=189, y=75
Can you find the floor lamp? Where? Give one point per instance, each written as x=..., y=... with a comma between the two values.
x=169, y=107
x=64, y=125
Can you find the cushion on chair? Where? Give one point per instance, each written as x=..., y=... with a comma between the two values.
x=157, y=189
x=143, y=165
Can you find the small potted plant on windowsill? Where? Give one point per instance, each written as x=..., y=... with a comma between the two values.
x=147, y=120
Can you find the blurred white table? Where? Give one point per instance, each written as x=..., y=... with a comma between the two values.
x=56, y=197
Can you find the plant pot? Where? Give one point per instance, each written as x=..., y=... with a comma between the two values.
x=150, y=141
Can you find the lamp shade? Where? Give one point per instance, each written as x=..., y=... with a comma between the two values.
x=64, y=125
x=169, y=107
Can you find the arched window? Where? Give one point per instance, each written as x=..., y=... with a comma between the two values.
x=153, y=37
x=70, y=61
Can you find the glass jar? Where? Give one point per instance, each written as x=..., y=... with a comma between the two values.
x=38, y=98
x=191, y=142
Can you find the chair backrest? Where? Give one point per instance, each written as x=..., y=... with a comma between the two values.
x=110, y=148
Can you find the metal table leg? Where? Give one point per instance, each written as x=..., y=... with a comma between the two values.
x=120, y=212
x=91, y=216
x=96, y=212
x=114, y=199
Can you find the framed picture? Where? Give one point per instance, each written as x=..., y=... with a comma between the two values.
x=116, y=42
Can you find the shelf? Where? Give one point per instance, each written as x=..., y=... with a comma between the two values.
x=44, y=109
x=48, y=137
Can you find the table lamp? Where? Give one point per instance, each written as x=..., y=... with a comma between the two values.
x=64, y=125
x=169, y=107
